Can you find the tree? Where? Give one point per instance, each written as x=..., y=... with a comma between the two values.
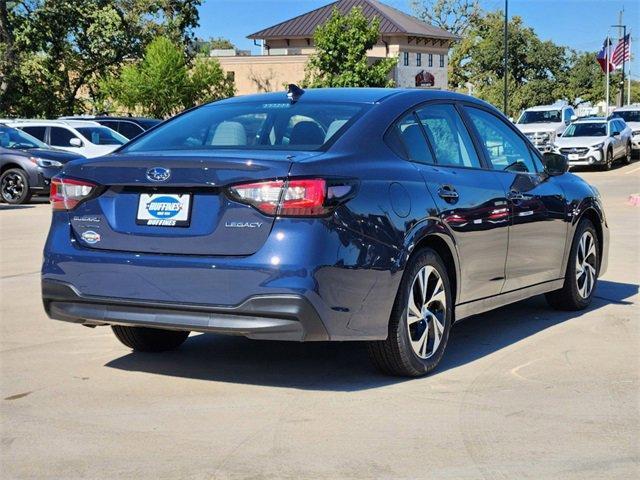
x=454, y=16
x=163, y=84
x=341, y=58
x=534, y=66
x=219, y=43
x=54, y=50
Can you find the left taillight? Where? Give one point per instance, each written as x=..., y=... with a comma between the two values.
x=67, y=193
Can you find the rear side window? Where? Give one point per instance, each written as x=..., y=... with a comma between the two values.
x=407, y=140
x=505, y=149
x=252, y=125
x=129, y=129
x=448, y=136
x=37, y=132
x=60, y=137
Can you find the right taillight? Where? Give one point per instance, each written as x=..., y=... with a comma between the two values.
x=312, y=197
x=67, y=193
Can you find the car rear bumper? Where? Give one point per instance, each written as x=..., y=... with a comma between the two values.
x=269, y=317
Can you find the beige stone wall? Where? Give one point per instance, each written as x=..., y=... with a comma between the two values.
x=259, y=74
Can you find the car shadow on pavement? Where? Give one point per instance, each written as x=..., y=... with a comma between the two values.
x=14, y=207
x=343, y=366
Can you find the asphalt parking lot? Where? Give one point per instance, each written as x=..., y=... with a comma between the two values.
x=523, y=392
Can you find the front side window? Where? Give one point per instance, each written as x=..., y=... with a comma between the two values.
x=61, y=137
x=102, y=136
x=129, y=129
x=505, y=149
x=18, y=140
x=448, y=136
x=250, y=126
x=586, y=129
x=408, y=141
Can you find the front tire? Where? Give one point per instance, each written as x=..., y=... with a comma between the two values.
x=628, y=155
x=142, y=339
x=420, y=321
x=581, y=276
x=608, y=162
x=14, y=186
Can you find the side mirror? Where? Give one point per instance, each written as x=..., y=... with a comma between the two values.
x=559, y=134
x=555, y=164
x=615, y=134
x=75, y=142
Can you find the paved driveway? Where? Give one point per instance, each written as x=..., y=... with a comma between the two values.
x=523, y=392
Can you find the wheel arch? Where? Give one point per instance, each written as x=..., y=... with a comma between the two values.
x=10, y=165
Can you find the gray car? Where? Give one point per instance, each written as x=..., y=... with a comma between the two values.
x=27, y=165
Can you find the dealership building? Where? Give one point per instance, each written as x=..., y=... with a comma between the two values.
x=420, y=49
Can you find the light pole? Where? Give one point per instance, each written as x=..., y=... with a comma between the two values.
x=506, y=54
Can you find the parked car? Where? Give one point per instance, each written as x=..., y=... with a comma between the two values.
x=381, y=215
x=89, y=139
x=544, y=123
x=631, y=116
x=129, y=127
x=596, y=141
x=27, y=165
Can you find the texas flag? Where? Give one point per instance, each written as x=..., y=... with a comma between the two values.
x=604, y=56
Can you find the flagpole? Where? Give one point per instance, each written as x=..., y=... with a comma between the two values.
x=608, y=50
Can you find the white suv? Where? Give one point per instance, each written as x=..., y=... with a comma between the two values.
x=631, y=116
x=543, y=124
x=596, y=141
x=86, y=138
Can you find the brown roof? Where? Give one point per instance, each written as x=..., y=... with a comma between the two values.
x=392, y=21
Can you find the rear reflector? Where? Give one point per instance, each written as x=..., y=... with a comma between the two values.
x=66, y=193
x=292, y=198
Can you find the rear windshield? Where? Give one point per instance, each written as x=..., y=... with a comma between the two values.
x=102, y=136
x=251, y=126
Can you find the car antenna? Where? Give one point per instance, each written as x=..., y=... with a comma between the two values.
x=294, y=92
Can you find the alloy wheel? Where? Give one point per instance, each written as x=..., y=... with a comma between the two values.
x=586, y=262
x=12, y=186
x=426, y=312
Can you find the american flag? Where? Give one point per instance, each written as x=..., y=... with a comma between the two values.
x=622, y=52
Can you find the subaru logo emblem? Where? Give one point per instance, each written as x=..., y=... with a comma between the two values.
x=158, y=174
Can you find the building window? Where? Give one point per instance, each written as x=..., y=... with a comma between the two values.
x=406, y=59
x=419, y=59
x=431, y=59
x=441, y=61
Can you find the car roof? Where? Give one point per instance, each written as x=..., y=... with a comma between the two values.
x=345, y=95
x=544, y=108
x=592, y=120
x=634, y=107
x=85, y=118
x=51, y=123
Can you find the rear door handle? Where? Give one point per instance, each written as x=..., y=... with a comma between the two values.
x=447, y=192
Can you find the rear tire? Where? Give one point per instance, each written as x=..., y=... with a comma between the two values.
x=142, y=339
x=420, y=321
x=14, y=186
x=581, y=276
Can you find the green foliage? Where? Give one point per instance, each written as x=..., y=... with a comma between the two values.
x=163, y=84
x=454, y=16
x=54, y=52
x=341, y=59
x=219, y=43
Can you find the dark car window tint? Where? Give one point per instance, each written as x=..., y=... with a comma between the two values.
x=112, y=124
x=37, y=132
x=407, y=139
x=505, y=149
x=252, y=125
x=448, y=136
x=60, y=137
x=130, y=130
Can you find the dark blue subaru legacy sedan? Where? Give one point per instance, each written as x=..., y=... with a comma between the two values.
x=334, y=214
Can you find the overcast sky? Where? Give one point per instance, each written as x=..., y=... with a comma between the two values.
x=580, y=24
